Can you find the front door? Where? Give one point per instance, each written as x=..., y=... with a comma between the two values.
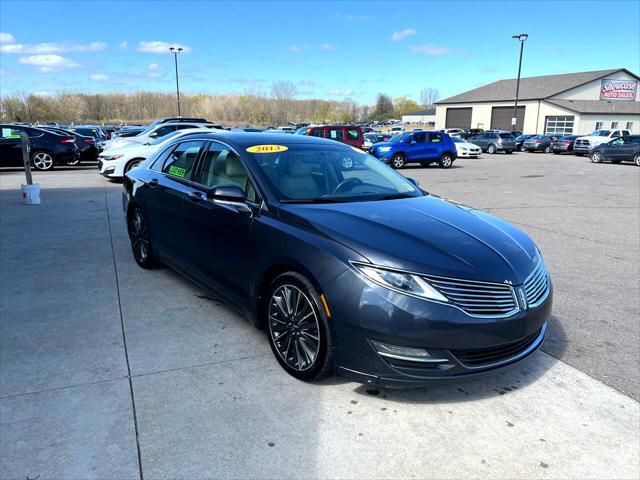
x=417, y=149
x=629, y=147
x=218, y=237
x=10, y=148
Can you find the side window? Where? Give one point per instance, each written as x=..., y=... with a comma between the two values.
x=615, y=134
x=318, y=133
x=435, y=137
x=353, y=134
x=336, y=134
x=221, y=166
x=181, y=161
x=10, y=133
x=162, y=131
x=420, y=137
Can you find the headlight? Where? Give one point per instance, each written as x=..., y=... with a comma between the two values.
x=108, y=158
x=384, y=149
x=403, y=282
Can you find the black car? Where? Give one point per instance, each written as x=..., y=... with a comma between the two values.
x=539, y=143
x=47, y=149
x=86, y=144
x=357, y=272
x=89, y=131
x=563, y=144
x=623, y=149
x=467, y=133
x=520, y=139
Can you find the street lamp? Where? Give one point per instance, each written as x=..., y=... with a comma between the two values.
x=521, y=38
x=175, y=52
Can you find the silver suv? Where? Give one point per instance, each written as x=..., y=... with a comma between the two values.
x=492, y=142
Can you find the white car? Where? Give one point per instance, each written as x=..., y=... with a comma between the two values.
x=453, y=132
x=154, y=131
x=466, y=149
x=117, y=161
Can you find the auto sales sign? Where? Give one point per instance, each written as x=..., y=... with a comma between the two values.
x=611, y=89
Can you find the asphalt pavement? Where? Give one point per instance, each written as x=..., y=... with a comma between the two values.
x=111, y=371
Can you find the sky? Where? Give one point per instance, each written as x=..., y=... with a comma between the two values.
x=328, y=49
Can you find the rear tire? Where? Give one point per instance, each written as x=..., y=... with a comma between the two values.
x=636, y=159
x=547, y=149
x=492, y=148
x=140, y=238
x=446, y=160
x=298, y=328
x=42, y=161
x=508, y=152
x=398, y=160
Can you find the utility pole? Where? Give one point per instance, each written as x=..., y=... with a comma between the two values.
x=521, y=38
x=175, y=52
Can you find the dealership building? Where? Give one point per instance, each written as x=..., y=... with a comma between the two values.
x=426, y=117
x=568, y=103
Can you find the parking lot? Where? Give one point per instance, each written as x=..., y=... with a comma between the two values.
x=111, y=371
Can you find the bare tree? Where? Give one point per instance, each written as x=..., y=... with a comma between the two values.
x=429, y=96
x=283, y=90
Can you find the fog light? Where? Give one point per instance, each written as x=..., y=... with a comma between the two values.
x=411, y=354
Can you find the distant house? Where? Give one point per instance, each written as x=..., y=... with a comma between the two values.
x=556, y=104
x=426, y=117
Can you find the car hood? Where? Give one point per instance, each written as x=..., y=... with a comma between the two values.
x=425, y=234
x=128, y=150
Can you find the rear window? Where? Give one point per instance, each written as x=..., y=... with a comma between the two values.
x=506, y=135
x=353, y=134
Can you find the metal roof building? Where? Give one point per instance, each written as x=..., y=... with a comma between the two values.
x=565, y=103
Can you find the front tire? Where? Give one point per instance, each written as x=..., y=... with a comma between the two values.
x=596, y=157
x=446, y=161
x=298, y=328
x=492, y=148
x=140, y=239
x=132, y=164
x=398, y=160
x=42, y=161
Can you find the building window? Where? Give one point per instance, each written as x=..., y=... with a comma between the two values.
x=614, y=124
x=599, y=125
x=559, y=125
x=629, y=125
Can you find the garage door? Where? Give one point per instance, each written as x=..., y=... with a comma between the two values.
x=458, y=118
x=501, y=118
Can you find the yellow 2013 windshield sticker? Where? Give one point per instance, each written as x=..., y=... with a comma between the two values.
x=267, y=149
x=177, y=171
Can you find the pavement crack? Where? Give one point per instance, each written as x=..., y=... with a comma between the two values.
x=124, y=337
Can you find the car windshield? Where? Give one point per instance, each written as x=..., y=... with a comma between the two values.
x=158, y=140
x=310, y=173
x=400, y=137
x=601, y=133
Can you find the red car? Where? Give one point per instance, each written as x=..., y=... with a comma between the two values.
x=349, y=134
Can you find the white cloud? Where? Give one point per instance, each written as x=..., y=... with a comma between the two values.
x=433, y=50
x=352, y=18
x=407, y=32
x=156, y=46
x=340, y=92
x=44, y=48
x=153, y=66
x=298, y=48
x=327, y=47
x=99, y=77
x=124, y=45
x=48, y=63
x=6, y=38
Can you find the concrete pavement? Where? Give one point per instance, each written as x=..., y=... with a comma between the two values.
x=207, y=400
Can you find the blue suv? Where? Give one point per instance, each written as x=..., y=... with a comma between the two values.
x=416, y=147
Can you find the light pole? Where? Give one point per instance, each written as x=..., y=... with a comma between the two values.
x=521, y=38
x=175, y=52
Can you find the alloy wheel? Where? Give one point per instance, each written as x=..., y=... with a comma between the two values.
x=397, y=161
x=43, y=161
x=445, y=161
x=294, y=327
x=636, y=159
x=139, y=237
x=596, y=157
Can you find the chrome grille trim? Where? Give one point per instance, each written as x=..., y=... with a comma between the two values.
x=477, y=298
x=537, y=286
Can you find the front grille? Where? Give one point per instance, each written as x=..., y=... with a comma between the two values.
x=536, y=286
x=582, y=143
x=486, y=356
x=479, y=299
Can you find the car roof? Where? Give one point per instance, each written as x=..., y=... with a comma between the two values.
x=245, y=139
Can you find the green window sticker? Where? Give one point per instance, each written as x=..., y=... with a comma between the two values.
x=177, y=171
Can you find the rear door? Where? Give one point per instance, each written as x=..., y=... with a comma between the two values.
x=336, y=133
x=10, y=147
x=629, y=147
x=218, y=237
x=435, y=145
x=164, y=196
x=353, y=136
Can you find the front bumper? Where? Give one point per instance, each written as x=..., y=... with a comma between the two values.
x=469, y=154
x=581, y=149
x=561, y=148
x=363, y=313
x=110, y=169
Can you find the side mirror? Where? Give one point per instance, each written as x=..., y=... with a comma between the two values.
x=414, y=181
x=230, y=196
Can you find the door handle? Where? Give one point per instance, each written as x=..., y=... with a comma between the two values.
x=153, y=182
x=195, y=196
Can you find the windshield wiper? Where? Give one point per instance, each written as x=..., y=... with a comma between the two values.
x=311, y=200
x=394, y=196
